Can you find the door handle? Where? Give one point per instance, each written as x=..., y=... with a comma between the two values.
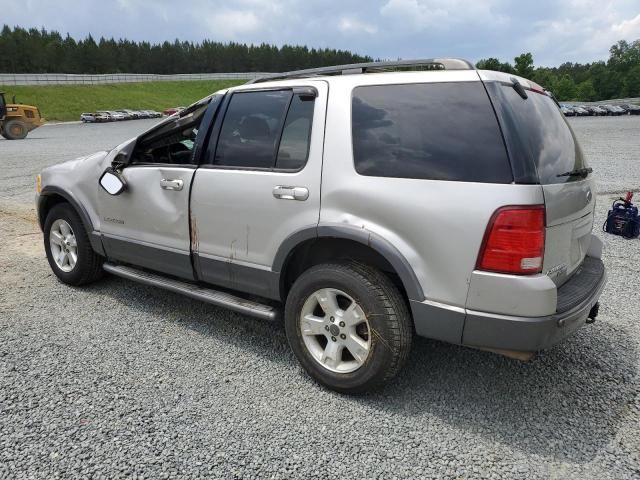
x=291, y=193
x=171, y=184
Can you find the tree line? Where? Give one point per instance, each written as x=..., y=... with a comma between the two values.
x=41, y=51
x=618, y=77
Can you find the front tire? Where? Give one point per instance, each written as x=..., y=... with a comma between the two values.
x=14, y=130
x=68, y=248
x=349, y=326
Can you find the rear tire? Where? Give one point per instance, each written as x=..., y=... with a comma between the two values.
x=14, y=130
x=349, y=326
x=68, y=248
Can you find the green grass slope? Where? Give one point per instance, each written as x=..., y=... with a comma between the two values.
x=67, y=102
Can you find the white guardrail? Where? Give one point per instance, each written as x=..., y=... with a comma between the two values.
x=79, y=79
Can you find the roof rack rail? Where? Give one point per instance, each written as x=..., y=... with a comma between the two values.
x=373, y=67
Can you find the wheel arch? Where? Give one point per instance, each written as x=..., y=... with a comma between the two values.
x=51, y=196
x=325, y=242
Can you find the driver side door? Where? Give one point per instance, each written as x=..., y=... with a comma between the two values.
x=148, y=223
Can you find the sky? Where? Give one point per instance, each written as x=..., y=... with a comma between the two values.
x=554, y=31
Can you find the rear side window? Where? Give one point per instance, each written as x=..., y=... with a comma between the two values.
x=537, y=131
x=438, y=131
x=251, y=129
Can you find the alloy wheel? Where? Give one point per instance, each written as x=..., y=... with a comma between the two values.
x=63, y=244
x=335, y=330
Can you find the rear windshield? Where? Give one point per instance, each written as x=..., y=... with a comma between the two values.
x=537, y=133
x=438, y=131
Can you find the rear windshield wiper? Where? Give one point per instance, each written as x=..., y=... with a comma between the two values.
x=578, y=172
x=517, y=86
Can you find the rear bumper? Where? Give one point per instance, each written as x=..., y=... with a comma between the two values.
x=473, y=328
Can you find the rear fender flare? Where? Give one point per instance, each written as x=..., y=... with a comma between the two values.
x=376, y=242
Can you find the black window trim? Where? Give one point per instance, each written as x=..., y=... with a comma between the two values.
x=507, y=147
x=283, y=120
x=209, y=155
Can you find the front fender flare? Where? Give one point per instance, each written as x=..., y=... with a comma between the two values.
x=50, y=191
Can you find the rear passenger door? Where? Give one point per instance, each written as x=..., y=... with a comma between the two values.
x=259, y=184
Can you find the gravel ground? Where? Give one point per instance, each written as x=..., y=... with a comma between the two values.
x=119, y=380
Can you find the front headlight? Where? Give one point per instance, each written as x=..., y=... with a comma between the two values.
x=38, y=183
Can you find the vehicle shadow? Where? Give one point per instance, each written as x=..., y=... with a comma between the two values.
x=261, y=337
x=564, y=405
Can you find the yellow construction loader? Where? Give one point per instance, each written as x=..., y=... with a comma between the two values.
x=17, y=120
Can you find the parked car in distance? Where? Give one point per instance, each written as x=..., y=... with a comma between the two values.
x=630, y=108
x=319, y=197
x=117, y=116
x=594, y=110
x=172, y=110
x=125, y=114
x=581, y=111
x=567, y=111
x=103, y=116
x=611, y=110
x=134, y=114
x=87, y=117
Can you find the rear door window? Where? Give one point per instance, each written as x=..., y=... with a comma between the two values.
x=251, y=129
x=437, y=131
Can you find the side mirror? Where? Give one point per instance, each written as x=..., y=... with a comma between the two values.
x=113, y=182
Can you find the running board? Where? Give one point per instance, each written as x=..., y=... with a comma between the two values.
x=208, y=295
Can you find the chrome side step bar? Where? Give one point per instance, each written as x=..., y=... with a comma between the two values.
x=222, y=299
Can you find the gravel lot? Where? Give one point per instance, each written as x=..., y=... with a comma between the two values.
x=120, y=380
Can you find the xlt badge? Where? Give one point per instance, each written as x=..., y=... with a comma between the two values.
x=557, y=269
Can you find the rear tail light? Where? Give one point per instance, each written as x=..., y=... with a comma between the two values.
x=514, y=241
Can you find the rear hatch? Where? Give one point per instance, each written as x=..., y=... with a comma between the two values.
x=544, y=150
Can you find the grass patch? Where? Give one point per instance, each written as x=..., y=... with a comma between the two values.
x=67, y=102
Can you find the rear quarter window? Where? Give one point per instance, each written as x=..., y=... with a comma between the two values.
x=437, y=131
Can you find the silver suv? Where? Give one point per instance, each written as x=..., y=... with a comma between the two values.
x=365, y=203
